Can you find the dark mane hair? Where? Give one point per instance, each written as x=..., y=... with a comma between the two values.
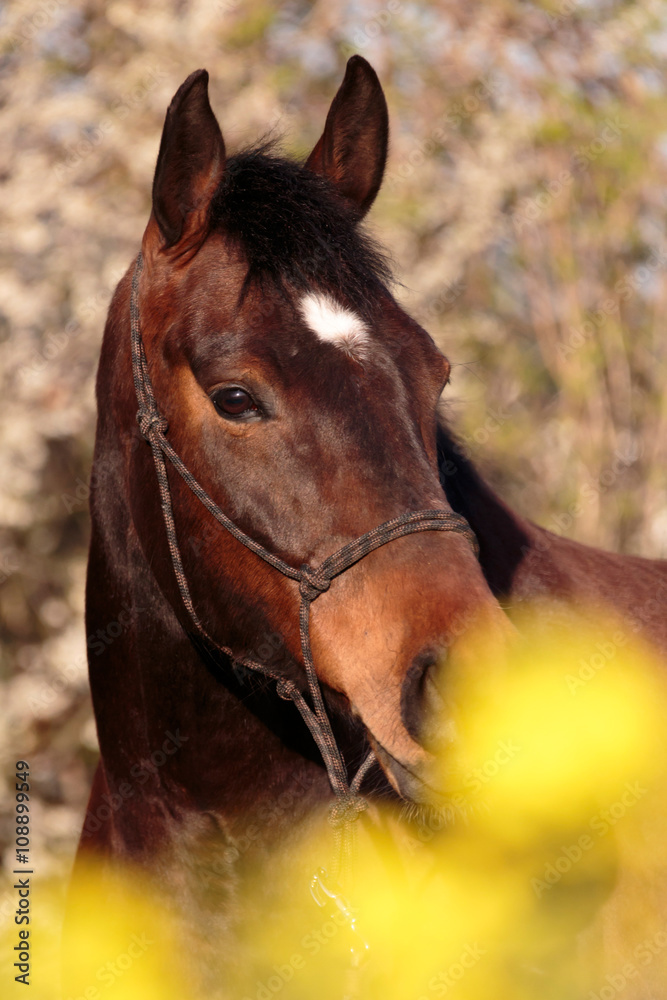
x=293, y=228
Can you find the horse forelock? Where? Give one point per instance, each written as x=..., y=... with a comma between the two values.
x=295, y=231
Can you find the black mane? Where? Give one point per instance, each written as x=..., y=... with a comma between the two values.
x=502, y=536
x=294, y=229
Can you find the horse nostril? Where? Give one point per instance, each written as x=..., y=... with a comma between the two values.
x=422, y=701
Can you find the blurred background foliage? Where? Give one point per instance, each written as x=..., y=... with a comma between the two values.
x=524, y=207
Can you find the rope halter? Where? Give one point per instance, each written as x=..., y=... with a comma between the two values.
x=313, y=581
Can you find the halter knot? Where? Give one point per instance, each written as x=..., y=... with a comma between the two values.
x=149, y=419
x=285, y=689
x=346, y=809
x=312, y=583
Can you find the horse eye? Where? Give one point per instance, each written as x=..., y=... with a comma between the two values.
x=234, y=402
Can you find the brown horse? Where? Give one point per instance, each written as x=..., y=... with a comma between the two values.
x=270, y=359
x=267, y=356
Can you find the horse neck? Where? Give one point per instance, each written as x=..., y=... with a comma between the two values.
x=523, y=561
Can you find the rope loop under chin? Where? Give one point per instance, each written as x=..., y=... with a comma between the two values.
x=346, y=809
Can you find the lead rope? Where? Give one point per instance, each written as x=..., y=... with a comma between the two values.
x=312, y=581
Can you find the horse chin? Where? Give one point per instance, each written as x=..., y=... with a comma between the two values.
x=415, y=782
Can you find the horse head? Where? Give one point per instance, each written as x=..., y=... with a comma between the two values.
x=304, y=400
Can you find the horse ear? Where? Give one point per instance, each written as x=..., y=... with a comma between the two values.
x=190, y=163
x=352, y=150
